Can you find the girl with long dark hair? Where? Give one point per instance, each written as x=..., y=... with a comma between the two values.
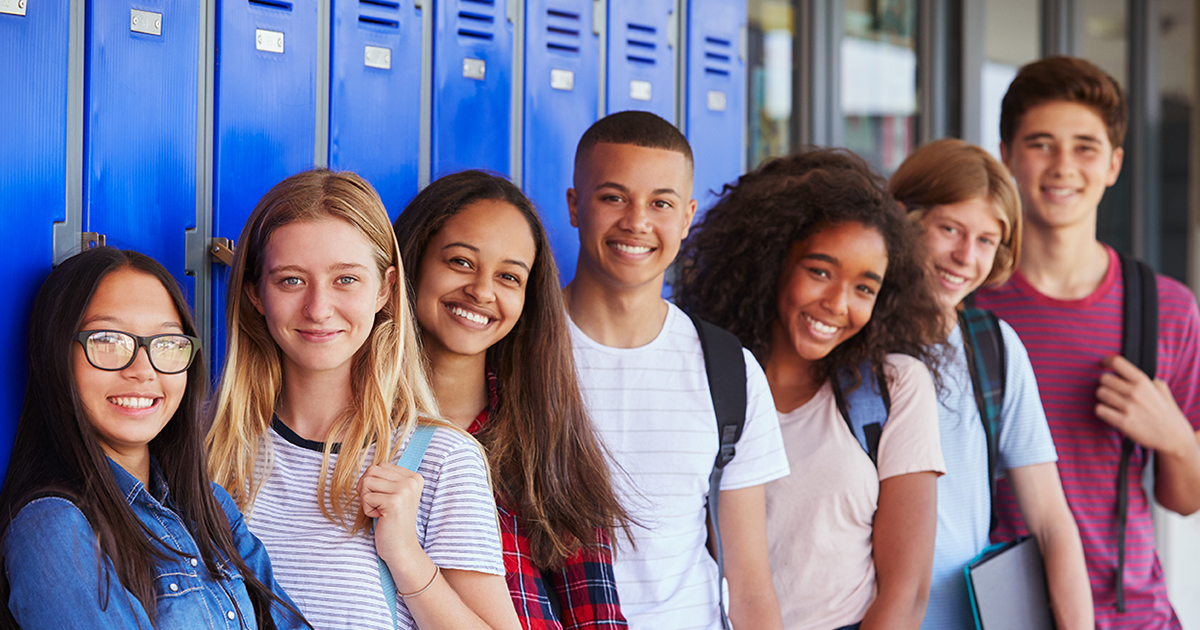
x=491, y=319
x=108, y=517
x=814, y=267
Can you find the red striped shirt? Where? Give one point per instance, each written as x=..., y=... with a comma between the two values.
x=1067, y=340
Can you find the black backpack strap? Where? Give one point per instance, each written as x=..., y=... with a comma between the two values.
x=983, y=344
x=725, y=366
x=871, y=427
x=1139, y=344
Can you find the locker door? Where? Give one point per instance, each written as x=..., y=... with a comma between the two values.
x=140, y=127
x=472, y=85
x=716, y=95
x=374, y=103
x=33, y=106
x=265, y=119
x=562, y=91
x=641, y=57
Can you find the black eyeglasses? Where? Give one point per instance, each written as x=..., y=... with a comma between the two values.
x=113, y=350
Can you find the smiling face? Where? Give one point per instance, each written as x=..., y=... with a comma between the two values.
x=827, y=289
x=128, y=407
x=633, y=206
x=319, y=291
x=1063, y=162
x=961, y=241
x=473, y=277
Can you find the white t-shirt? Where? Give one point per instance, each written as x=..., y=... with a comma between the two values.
x=964, y=497
x=334, y=577
x=820, y=519
x=653, y=410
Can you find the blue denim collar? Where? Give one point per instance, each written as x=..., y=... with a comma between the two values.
x=130, y=487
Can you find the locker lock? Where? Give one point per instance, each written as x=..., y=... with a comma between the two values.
x=222, y=250
x=12, y=7
x=91, y=240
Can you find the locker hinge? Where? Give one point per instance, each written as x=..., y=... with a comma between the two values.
x=673, y=31
x=13, y=7
x=90, y=240
x=222, y=251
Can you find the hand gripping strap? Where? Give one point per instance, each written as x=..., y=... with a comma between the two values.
x=414, y=452
x=725, y=366
x=1139, y=344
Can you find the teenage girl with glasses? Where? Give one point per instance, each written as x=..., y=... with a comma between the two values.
x=108, y=517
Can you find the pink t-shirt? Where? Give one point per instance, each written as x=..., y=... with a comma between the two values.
x=819, y=518
x=1067, y=340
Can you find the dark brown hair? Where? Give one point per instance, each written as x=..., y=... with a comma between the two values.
x=56, y=451
x=950, y=171
x=641, y=129
x=731, y=262
x=545, y=457
x=1068, y=79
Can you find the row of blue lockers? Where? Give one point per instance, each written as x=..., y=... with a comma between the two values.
x=156, y=125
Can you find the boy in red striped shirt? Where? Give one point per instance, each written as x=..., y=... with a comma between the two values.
x=1062, y=125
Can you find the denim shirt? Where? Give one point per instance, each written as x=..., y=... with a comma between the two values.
x=59, y=580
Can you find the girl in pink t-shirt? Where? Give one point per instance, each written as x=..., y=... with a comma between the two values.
x=813, y=265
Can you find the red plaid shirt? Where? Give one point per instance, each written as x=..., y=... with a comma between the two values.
x=584, y=586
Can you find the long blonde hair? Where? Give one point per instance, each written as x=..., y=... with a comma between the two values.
x=388, y=383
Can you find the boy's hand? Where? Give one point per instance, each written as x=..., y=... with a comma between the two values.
x=392, y=495
x=1142, y=409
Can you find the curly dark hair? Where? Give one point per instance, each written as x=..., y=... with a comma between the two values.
x=730, y=265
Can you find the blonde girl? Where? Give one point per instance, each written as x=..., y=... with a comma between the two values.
x=322, y=388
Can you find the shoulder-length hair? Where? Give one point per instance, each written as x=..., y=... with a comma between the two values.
x=388, y=384
x=545, y=456
x=950, y=171
x=730, y=264
x=56, y=450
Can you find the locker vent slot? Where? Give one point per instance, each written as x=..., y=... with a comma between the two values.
x=641, y=45
x=282, y=5
x=386, y=4
x=476, y=19
x=718, y=56
x=376, y=21
x=562, y=31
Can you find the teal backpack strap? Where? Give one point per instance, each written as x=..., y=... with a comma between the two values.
x=983, y=343
x=865, y=409
x=414, y=452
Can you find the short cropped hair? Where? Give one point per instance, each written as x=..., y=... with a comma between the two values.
x=1068, y=79
x=950, y=171
x=641, y=129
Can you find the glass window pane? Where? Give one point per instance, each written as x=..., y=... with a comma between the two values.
x=1177, y=85
x=1012, y=31
x=770, y=51
x=879, y=80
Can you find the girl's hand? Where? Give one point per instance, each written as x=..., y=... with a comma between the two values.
x=391, y=495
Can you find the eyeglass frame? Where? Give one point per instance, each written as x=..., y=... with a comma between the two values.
x=141, y=342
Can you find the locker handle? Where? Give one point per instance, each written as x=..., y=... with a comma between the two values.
x=222, y=249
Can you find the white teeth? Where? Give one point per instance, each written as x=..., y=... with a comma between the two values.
x=131, y=402
x=821, y=327
x=1060, y=192
x=631, y=249
x=468, y=315
x=952, y=279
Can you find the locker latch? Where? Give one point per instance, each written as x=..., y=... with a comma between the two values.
x=91, y=240
x=222, y=250
x=13, y=7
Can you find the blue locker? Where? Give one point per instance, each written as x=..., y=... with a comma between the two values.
x=562, y=92
x=33, y=106
x=265, y=119
x=716, y=95
x=374, y=103
x=140, y=127
x=472, y=86
x=641, y=57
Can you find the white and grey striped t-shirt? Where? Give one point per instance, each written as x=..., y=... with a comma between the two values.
x=652, y=407
x=334, y=577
